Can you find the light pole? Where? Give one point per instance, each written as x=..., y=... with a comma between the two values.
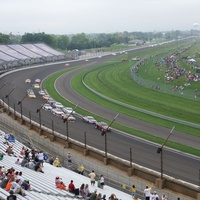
x=20, y=103
x=7, y=97
x=3, y=86
x=104, y=132
x=67, y=125
x=131, y=160
x=160, y=151
x=85, y=141
x=39, y=111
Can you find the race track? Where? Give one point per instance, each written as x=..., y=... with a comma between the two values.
x=144, y=153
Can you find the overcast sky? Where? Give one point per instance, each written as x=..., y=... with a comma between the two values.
x=97, y=16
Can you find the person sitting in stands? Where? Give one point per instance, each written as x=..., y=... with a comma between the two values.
x=4, y=182
x=2, y=174
x=51, y=160
x=17, y=188
x=86, y=191
x=93, y=195
x=99, y=196
x=81, y=169
x=38, y=167
x=71, y=187
x=40, y=157
x=57, y=180
x=9, y=150
x=33, y=153
x=1, y=156
x=24, y=161
x=22, y=152
x=18, y=161
x=56, y=162
x=11, y=172
x=11, y=196
x=20, y=178
x=27, y=154
x=61, y=186
x=112, y=197
x=30, y=165
x=9, y=184
x=81, y=190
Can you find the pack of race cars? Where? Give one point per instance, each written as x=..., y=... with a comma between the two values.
x=59, y=110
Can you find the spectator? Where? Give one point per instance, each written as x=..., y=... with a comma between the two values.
x=164, y=197
x=71, y=187
x=1, y=156
x=11, y=196
x=38, y=167
x=69, y=157
x=2, y=174
x=45, y=156
x=104, y=197
x=4, y=182
x=102, y=181
x=18, y=161
x=99, y=196
x=112, y=197
x=147, y=193
x=11, y=172
x=93, y=195
x=27, y=153
x=40, y=157
x=56, y=162
x=9, y=184
x=51, y=160
x=92, y=176
x=20, y=178
x=81, y=169
x=17, y=189
x=57, y=180
x=9, y=150
x=33, y=154
x=24, y=161
x=31, y=165
x=154, y=196
x=61, y=186
x=82, y=190
x=22, y=152
x=133, y=191
x=6, y=138
x=87, y=191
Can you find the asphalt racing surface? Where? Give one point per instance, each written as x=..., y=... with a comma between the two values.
x=176, y=164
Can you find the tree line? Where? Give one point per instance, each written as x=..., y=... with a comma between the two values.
x=87, y=41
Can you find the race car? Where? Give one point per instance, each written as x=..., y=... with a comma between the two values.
x=89, y=119
x=102, y=126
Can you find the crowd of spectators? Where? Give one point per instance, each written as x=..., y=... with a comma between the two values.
x=13, y=181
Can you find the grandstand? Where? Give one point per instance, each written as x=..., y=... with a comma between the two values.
x=16, y=55
x=43, y=184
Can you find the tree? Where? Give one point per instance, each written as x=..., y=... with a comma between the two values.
x=62, y=42
x=79, y=41
x=39, y=38
x=4, y=39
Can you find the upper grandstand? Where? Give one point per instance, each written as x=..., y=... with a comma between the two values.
x=16, y=55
